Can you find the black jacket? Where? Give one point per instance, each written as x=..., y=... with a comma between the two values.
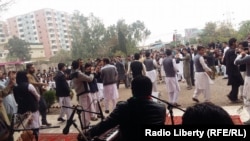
x=25, y=99
x=62, y=86
x=233, y=72
x=130, y=115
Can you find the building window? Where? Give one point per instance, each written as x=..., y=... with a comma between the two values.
x=21, y=30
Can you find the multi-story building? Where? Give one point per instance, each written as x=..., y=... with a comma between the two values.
x=46, y=26
x=3, y=32
x=37, y=52
x=191, y=33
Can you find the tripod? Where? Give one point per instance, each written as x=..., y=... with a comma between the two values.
x=21, y=120
x=169, y=107
x=70, y=121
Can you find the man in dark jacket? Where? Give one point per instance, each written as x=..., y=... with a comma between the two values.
x=130, y=115
x=234, y=77
x=63, y=92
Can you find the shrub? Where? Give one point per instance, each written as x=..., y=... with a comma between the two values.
x=50, y=97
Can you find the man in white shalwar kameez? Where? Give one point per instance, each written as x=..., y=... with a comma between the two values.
x=151, y=72
x=109, y=77
x=245, y=59
x=170, y=69
x=202, y=80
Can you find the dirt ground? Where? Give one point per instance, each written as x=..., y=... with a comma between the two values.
x=219, y=90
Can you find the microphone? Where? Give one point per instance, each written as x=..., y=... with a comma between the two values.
x=169, y=104
x=69, y=122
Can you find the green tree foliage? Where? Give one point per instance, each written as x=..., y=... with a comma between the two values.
x=92, y=39
x=61, y=56
x=193, y=41
x=217, y=33
x=225, y=32
x=244, y=30
x=122, y=42
x=87, y=34
x=129, y=35
x=18, y=49
x=209, y=33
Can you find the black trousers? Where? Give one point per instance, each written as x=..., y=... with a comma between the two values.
x=233, y=95
x=43, y=109
x=192, y=72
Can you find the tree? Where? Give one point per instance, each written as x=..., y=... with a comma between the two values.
x=18, y=49
x=217, y=33
x=122, y=42
x=88, y=34
x=78, y=28
x=225, y=32
x=244, y=29
x=208, y=34
x=61, y=56
x=132, y=34
x=90, y=37
x=193, y=41
x=4, y=4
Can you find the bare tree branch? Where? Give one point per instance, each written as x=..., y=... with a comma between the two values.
x=4, y=4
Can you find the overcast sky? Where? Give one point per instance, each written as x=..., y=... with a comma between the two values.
x=161, y=17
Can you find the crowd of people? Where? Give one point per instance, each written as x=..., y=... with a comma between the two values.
x=100, y=79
